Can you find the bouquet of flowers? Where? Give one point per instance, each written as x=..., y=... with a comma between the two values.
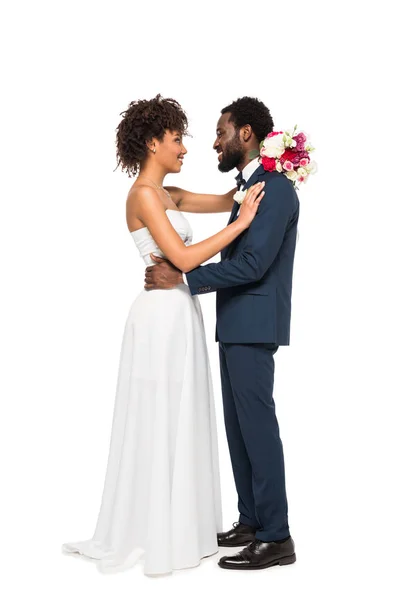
x=288, y=153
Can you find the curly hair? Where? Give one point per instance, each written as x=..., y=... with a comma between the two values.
x=253, y=112
x=142, y=121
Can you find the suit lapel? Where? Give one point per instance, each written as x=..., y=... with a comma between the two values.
x=235, y=208
x=252, y=180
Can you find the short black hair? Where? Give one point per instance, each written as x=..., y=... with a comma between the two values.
x=142, y=121
x=253, y=112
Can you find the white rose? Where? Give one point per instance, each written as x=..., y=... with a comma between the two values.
x=302, y=172
x=279, y=166
x=239, y=197
x=292, y=175
x=274, y=146
x=288, y=140
x=311, y=168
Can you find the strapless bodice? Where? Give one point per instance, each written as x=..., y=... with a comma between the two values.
x=146, y=244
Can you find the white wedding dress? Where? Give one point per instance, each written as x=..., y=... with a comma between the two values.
x=161, y=501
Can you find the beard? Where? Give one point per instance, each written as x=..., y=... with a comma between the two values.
x=233, y=155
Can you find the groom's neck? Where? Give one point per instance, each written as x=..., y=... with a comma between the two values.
x=250, y=155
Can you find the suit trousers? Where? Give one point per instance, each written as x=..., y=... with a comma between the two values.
x=247, y=379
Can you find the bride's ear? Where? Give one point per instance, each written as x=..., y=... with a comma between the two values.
x=151, y=145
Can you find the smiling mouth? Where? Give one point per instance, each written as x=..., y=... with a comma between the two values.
x=220, y=155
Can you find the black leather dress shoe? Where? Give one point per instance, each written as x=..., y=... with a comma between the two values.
x=260, y=555
x=239, y=535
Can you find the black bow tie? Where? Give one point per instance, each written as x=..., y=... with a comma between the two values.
x=240, y=180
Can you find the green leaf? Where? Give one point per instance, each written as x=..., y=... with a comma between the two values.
x=253, y=154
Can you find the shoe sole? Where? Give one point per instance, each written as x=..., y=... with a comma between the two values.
x=236, y=545
x=287, y=560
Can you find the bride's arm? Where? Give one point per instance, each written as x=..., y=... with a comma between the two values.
x=150, y=210
x=201, y=203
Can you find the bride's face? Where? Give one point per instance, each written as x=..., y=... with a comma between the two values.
x=170, y=151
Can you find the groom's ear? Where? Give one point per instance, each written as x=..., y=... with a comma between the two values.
x=246, y=132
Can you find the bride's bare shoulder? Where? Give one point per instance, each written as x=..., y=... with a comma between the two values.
x=140, y=196
x=140, y=200
x=139, y=191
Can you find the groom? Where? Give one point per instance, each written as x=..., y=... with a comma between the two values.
x=253, y=282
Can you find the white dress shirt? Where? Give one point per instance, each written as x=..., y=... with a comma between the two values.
x=251, y=168
x=246, y=174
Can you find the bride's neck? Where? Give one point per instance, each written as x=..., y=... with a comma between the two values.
x=154, y=175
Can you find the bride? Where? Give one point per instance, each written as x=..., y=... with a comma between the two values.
x=161, y=500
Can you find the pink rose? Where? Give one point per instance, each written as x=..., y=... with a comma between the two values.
x=300, y=140
x=274, y=133
x=304, y=162
x=288, y=166
x=269, y=164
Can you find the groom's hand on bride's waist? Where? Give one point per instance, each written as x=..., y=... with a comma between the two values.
x=162, y=276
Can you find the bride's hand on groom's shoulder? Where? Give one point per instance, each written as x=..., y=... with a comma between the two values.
x=250, y=204
x=163, y=275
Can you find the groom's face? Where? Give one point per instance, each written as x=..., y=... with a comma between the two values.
x=228, y=144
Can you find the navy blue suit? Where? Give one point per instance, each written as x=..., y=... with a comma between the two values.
x=253, y=282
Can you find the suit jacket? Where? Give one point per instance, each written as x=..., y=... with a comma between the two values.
x=253, y=281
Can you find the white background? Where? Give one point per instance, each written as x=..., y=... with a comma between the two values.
x=70, y=272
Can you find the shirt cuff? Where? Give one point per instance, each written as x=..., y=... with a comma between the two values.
x=184, y=279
